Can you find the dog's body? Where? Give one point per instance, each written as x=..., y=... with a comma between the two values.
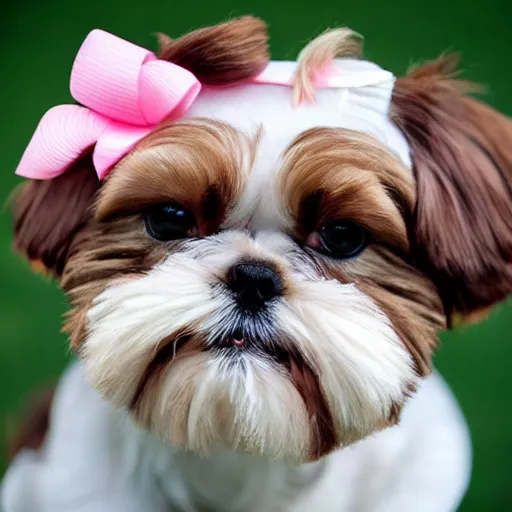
x=96, y=460
x=259, y=257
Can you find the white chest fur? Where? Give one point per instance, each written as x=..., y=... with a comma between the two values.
x=96, y=460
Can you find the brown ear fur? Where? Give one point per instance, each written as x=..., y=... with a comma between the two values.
x=223, y=54
x=462, y=156
x=48, y=213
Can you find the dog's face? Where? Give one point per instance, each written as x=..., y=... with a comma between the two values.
x=275, y=297
x=287, y=327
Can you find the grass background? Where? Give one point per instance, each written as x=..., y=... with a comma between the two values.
x=38, y=41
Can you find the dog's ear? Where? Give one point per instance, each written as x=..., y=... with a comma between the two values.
x=48, y=213
x=462, y=159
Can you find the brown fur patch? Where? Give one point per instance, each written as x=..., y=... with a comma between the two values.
x=462, y=153
x=324, y=438
x=47, y=214
x=188, y=162
x=354, y=177
x=227, y=53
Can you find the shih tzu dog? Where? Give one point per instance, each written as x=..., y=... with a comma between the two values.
x=259, y=257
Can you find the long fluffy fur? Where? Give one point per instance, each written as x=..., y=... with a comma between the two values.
x=334, y=356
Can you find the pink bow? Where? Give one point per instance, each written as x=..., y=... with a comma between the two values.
x=126, y=91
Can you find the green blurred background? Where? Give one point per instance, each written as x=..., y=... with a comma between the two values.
x=39, y=39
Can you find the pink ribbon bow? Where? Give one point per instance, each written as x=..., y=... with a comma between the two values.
x=125, y=92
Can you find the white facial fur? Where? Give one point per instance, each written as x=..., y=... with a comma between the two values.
x=236, y=396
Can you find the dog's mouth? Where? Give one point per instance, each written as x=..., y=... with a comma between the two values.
x=237, y=339
x=234, y=344
x=246, y=341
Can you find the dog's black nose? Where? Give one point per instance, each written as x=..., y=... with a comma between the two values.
x=254, y=284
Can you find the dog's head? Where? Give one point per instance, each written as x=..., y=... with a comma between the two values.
x=273, y=277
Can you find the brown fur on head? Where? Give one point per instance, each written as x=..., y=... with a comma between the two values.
x=223, y=54
x=162, y=324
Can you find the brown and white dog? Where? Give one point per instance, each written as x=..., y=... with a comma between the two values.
x=256, y=292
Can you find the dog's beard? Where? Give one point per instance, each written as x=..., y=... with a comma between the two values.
x=321, y=367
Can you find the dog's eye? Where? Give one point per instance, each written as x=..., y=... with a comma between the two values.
x=169, y=221
x=343, y=239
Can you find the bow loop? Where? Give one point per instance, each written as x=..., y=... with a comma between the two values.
x=165, y=90
x=127, y=83
x=64, y=133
